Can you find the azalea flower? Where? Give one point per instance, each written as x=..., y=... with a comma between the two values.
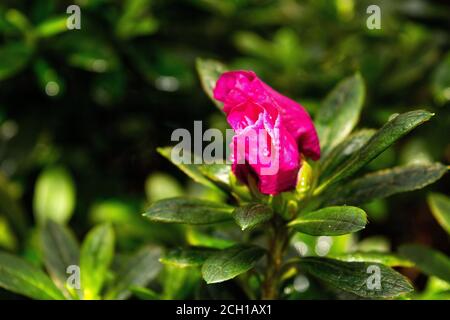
x=273, y=132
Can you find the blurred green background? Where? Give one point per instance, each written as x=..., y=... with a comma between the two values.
x=82, y=111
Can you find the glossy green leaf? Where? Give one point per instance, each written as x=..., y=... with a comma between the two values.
x=343, y=151
x=385, y=183
x=252, y=214
x=209, y=72
x=339, y=113
x=440, y=207
x=388, y=259
x=61, y=250
x=188, y=211
x=54, y=196
x=138, y=271
x=19, y=276
x=431, y=262
x=192, y=170
x=187, y=257
x=96, y=255
x=13, y=58
x=229, y=263
x=331, y=221
x=355, y=277
x=380, y=141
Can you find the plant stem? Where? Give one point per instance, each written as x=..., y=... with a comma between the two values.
x=278, y=240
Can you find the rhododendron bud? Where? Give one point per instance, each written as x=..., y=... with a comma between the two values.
x=272, y=131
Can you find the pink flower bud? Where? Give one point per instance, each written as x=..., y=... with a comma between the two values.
x=272, y=131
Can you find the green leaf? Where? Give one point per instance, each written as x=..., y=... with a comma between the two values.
x=218, y=173
x=144, y=293
x=189, y=211
x=136, y=20
x=49, y=80
x=431, y=262
x=18, y=276
x=54, y=196
x=87, y=51
x=160, y=186
x=60, y=250
x=97, y=252
x=8, y=240
x=187, y=257
x=252, y=214
x=355, y=277
x=52, y=27
x=13, y=58
x=141, y=268
x=388, y=259
x=191, y=170
x=179, y=283
x=340, y=111
x=440, y=207
x=12, y=209
x=343, y=151
x=380, y=141
x=440, y=85
x=331, y=221
x=199, y=239
x=385, y=183
x=229, y=263
x=209, y=72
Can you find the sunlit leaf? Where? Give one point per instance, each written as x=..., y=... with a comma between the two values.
x=96, y=255
x=388, y=259
x=54, y=196
x=440, y=207
x=52, y=27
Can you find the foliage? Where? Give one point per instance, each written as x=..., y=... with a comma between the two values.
x=84, y=112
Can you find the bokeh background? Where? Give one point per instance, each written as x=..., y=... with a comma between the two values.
x=82, y=111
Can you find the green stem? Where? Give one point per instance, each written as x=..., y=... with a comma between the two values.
x=278, y=241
